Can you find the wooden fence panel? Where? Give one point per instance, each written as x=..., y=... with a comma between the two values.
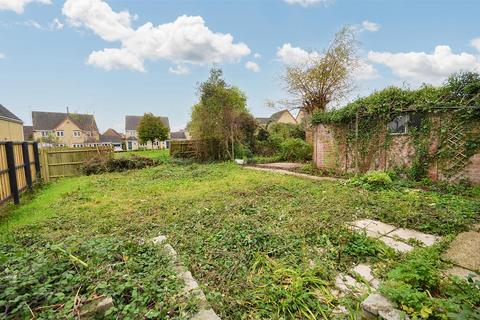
x=58, y=163
x=18, y=168
x=5, y=192
x=21, y=180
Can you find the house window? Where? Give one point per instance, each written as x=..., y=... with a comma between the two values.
x=76, y=133
x=399, y=125
x=59, y=133
x=44, y=133
x=88, y=133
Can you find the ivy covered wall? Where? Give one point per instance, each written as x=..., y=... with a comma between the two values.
x=429, y=132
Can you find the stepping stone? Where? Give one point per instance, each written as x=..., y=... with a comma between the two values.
x=397, y=245
x=407, y=234
x=374, y=227
x=339, y=311
x=377, y=305
x=349, y=285
x=96, y=308
x=464, y=250
x=159, y=239
x=206, y=315
x=365, y=271
x=462, y=273
x=190, y=283
x=280, y=165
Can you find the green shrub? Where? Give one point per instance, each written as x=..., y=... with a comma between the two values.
x=295, y=150
x=373, y=180
x=417, y=287
x=99, y=165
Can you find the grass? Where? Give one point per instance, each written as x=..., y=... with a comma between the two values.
x=161, y=155
x=262, y=245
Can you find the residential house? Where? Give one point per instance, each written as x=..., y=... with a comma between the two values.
x=65, y=129
x=180, y=135
x=283, y=116
x=11, y=127
x=131, y=134
x=112, y=138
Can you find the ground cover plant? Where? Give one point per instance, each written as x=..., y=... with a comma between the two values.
x=58, y=279
x=262, y=245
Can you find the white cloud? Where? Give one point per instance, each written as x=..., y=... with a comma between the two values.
x=100, y=18
x=476, y=43
x=19, y=5
x=306, y=3
x=187, y=40
x=32, y=24
x=2, y=56
x=112, y=58
x=295, y=55
x=257, y=56
x=365, y=71
x=370, y=26
x=425, y=67
x=56, y=25
x=252, y=66
x=179, y=70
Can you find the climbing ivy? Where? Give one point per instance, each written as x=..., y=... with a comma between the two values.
x=449, y=113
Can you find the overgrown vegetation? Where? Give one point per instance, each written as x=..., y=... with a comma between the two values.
x=284, y=142
x=418, y=287
x=97, y=165
x=44, y=278
x=456, y=104
x=254, y=240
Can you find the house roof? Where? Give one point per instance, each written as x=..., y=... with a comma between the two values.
x=273, y=118
x=27, y=132
x=132, y=122
x=178, y=135
x=7, y=115
x=262, y=120
x=111, y=136
x=50, y=120
x=277, y=115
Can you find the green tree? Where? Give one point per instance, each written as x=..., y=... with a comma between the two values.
x=221, y=115
x=151, y=128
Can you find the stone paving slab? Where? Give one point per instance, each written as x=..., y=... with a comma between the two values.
x=281, y=165
x=397, y=245
x=464, y=251
x=393, y=236
x=291, y=173
x=349, y=285
x=377, y=305
x=462, y=273
x=407, y=234
x=365, y=271
x=377, y=227
x=191, y=285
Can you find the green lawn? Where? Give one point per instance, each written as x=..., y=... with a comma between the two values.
x=263, y=245
x=159, y=155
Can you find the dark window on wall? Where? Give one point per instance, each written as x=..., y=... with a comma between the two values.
x=399, y=125
x=415, y=121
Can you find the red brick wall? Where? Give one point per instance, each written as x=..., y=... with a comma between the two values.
x=330, y=153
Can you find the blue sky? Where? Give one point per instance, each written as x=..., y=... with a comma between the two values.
x=118, y=57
